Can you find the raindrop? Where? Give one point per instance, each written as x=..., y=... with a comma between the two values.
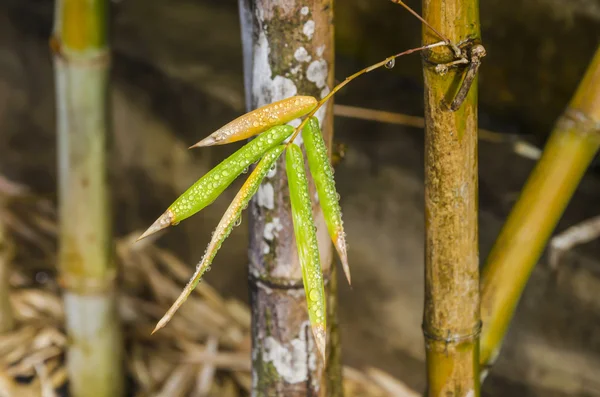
x=238, y=222
x=313, y=294
x=391, y=63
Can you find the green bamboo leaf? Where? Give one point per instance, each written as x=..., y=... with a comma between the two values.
x=259, y=120
x=212, y=184
x=307, y=245
x=231, y=218
x=322, y=173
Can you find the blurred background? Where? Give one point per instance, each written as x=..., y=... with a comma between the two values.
x=177, y=76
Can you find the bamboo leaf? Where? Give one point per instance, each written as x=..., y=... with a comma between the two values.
x=322, y=172
x=212, y=184
x=231, y=218
x=306, y=243
x=259, y=120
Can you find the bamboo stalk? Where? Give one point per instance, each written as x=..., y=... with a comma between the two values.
x=87, y=271
x=451, y=316
x=572, y=146
x=288, y=50
x=7, y=320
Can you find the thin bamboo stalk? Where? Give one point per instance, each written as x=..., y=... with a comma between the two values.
x=288, y=50
x=7, y=320
x=572, y=146
x=451, y=316
x=87, y=271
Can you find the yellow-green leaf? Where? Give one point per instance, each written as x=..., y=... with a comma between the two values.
x=213, y=183
x=231, y=217
x=322, y=173
x=307, y=245
x=259, y=120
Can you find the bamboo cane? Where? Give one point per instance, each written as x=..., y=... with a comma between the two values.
x=288, y=50
x=87, y=271
x=7, y=320
x=451, y=316
x=568, y=153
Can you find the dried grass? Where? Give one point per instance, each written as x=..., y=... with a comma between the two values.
x=205, y=350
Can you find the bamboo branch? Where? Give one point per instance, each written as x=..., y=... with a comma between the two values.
x=87, y=269
x=568, y=153
x=451, y=317
x=288, y=48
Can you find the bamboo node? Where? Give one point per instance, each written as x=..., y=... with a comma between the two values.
x=432, y=334
x=99, y=58
x=266, y=282
x=579, y=121
x=88, y=285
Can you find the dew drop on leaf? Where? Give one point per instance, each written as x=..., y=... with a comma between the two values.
x=313, y=294
x=391, y=63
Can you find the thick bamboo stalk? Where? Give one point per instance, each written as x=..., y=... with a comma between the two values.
x=451, y=317
x=7, y=320
x=87, y=269
x=288, y=50
x=568, y=153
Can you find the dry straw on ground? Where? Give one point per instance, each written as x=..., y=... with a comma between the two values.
x=205, y=350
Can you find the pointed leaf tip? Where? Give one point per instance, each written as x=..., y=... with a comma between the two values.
x=261, y=119
x=340, y=246
x=320, y=336
x=208, y=141
x=163, y=222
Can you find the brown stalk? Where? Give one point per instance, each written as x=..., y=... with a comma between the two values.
x=451, y=318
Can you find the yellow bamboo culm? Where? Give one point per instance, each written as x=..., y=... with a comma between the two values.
x=451, y=320
x=86, y=266
x=572, y=146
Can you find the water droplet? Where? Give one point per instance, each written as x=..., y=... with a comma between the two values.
x=175, y=223
x=238, y=222
x=245, y=170
x=391, y=63
x=313, y=294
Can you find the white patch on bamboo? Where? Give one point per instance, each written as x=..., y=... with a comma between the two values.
x=301, y=55
x=272, y=229
x=320, y=50
x=266, y=89
x=309, y=29
x=317, y=73
x=471, y=393
x=304, y=10
x=266, y=196
x=289, y=360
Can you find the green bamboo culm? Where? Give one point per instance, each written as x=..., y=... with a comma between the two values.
x=305, y=232
x=572, y=146
x=451, y=322
x=86, y=266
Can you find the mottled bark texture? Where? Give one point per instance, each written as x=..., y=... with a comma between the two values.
x=451, y=317
x=87, y=270
x=571, y=148
x=288, y=50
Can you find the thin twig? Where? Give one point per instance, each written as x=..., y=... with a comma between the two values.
x=457, y=51
x=355, y=75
